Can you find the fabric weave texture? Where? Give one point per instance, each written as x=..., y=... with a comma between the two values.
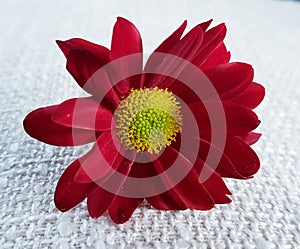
x=265, y=210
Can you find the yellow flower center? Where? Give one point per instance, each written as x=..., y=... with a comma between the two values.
x=148, y=119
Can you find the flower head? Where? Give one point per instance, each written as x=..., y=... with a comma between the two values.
x=166, y=132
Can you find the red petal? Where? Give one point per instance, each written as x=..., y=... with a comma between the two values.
x=82, y=65
x=102, y=53
x=238, y=159
x=107, y=187
x=204, y=26
x=165, y=47
x=218, y=56
x=250, y=138
x=122, y=208
x=84, y=113
x=192, y=193
x=126, y=40
x=223, y=166
x=165, y=201
x=183, y=91
x=98, y=201
x=230, y=79
x=242, y=156
x=252, y=96
x=214, y=184
x=239, y=119
x=99, y=164
x=212, y=38
x=172, y=40
x=69, y=193
x=38, y=124
x=187, y=49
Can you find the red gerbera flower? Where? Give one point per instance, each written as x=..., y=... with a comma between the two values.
x=142, y=125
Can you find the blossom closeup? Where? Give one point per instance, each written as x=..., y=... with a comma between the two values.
x=162, y=132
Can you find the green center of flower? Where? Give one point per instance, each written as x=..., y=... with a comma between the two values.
x=148, y=119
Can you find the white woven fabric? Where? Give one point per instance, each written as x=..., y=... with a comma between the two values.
x=265, y=210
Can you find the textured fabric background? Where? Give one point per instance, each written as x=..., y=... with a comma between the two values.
x=265, y=210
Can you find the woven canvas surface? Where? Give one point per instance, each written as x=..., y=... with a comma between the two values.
x=265, y=210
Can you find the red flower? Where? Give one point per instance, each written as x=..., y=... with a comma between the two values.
x=145, y=115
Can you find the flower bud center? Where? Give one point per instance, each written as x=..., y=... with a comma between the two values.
x=148, y=119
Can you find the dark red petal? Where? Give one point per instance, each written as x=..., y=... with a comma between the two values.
x=165, y=47
x=211, y=40
x=102, y=53
x=83, y=66
x=238, y=159
x=69, y=193
x=239, y=119
x=244, y=159
x=223, y=166
x=250, y=138
x=167, y=201
x=108, y=187
x=98, y=201
x=204, y=25
x=122, y=208
x=183, y=91
x=126, y=40
x=39, y=125
x=187, y=49
x=192, y=193
x=252, y=96
x=84, y=113
x=230, y=79
x=213, y=183
x=218, y=56
x=119, y=172
x=100, y=160
x=172, y=40
x=164, y=201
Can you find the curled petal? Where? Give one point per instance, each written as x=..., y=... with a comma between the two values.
x=82, y=65
x=102, y=53
x=84, y=58
x=39, y=125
